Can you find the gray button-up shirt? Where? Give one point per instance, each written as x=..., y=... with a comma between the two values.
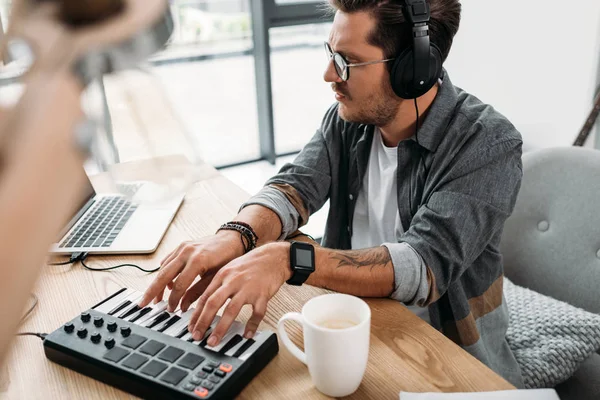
x=456, y=188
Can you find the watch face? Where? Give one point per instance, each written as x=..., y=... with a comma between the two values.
x=303, y=258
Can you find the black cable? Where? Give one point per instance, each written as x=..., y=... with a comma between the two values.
x=35, y=303
x=36, y=334
x=115, y=267
x=417, y=138
x=417, y=126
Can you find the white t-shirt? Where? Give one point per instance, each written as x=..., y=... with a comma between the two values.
x=376, y=217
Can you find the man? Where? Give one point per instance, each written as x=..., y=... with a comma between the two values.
x=418, y=200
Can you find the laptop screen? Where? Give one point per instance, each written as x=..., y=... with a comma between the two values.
x=88, y=194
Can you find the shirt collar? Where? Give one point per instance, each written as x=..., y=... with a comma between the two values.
x=439, y=115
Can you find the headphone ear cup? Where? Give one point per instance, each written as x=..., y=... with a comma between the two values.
x=401, y=74
x=398, y=73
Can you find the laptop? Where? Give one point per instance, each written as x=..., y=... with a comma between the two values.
x=113, y=224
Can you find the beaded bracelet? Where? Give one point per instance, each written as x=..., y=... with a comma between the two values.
x=246, y=232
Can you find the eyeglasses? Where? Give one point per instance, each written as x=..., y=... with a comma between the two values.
x=342, y=66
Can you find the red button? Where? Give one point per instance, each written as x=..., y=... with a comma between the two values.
x=226, y=367
x=201, y=392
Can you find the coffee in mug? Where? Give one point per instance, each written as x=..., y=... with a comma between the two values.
x=337, y=323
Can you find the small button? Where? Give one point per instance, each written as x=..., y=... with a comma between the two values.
x=208, y=385
x=348, y=228
x=109, y=343
x=69, y=327
x=214, y=379
x=598, y=254
x=189, y=387
x=85, y=317
x=201, y=374
x=98, y=321
x=195, y=380
x=111, y=326
x=351, y=197
x=96, y=337
x=226, y=367
x=543, y=226
x=125, y=331
x=220, y=373
x=208, y=369
x=82, y=332
x=201, y=392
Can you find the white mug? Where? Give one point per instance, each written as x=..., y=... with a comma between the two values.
x=336, y=358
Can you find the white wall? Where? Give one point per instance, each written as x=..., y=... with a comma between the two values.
x=536, y=61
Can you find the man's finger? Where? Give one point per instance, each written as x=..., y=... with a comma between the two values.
x=169, y=257
x=165, y=275
x=209, y=311
x=229, y=315
x=159, y=296
x=172, y=254
x=183, y=282
x=213, y=285
x=195, y=291
x=259, y=309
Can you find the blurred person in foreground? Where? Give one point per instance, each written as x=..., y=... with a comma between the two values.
x=45, y=137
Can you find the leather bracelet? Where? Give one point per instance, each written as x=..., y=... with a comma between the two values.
x=242, y=237
x=251, y=231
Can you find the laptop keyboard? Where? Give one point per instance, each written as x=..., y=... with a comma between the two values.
x=102, y=225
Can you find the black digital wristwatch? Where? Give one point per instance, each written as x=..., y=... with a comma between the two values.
x=302, y=262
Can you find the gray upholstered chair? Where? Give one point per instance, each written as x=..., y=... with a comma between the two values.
x=551, y=243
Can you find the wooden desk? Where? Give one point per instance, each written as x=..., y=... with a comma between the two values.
x=406, y=353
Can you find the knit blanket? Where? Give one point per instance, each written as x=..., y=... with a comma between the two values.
x=549, y=338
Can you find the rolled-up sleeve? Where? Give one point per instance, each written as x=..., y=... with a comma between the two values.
x=275, y=200
x=410, y=274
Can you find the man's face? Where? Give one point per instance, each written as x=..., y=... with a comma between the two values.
x=367, y=96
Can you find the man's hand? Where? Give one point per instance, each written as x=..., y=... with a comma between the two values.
x=251, y=279
x=188, y=261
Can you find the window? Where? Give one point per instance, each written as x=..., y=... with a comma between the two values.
x=203, y=80
x=300, y=95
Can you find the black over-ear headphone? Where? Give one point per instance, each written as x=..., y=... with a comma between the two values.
x=418, y=68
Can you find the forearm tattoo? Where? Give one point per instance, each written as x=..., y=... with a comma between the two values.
x=375, y=257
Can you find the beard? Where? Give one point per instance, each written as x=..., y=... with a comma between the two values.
x=377, y=108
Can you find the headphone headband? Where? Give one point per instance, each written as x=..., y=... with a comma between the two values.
x=417, y=12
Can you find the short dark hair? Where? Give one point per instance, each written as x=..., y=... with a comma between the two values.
x=393, y=34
